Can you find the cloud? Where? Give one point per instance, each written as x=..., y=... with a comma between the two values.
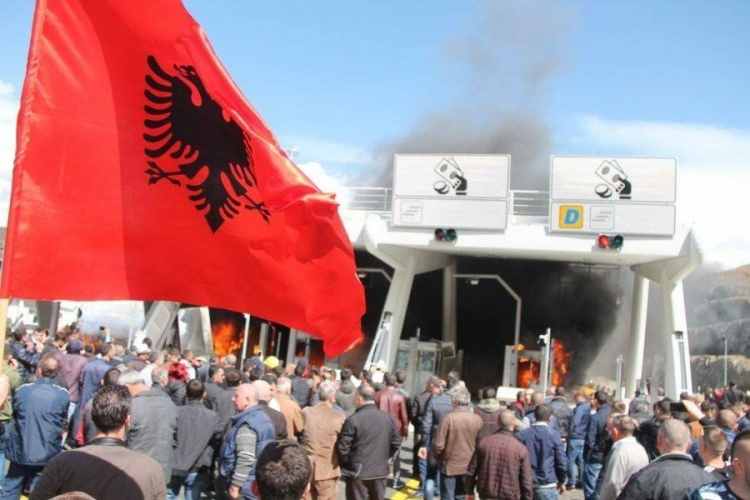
x=713, y=175
x=325, y=151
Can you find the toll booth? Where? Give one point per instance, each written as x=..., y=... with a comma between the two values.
x=422, y=359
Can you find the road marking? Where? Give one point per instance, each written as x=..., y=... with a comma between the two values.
x=410, y=487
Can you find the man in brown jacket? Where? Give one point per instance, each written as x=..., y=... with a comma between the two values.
x=322, y=428
x=455, y=442
x=391, y=401
x=500, y=468
x=289, y=407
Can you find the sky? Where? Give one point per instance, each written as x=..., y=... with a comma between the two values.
x=348, y=84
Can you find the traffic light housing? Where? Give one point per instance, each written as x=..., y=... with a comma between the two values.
x=607, y=242
x=449, y=235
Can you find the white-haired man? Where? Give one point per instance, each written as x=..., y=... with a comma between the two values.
x=322, y=428
x=455, y=442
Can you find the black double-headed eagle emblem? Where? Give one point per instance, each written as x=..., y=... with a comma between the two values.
x=206, y=146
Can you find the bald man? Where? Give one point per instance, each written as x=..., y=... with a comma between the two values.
x=265, y=394
x=250, y=433
x=673, y=474
x=500, y=467
x=739, y=485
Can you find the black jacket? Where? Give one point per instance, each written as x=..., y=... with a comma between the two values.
x=564, y=415
x=646, y=435
x=301, y=391
x=670, y=477
x=212, y=392
x=345, y=397
x=367, y=441
x=593, y=447
x=198, y=433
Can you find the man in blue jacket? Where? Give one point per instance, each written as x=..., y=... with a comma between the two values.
x=593, y=453
x=41, y=415
x=576, y=439
x=547, y=455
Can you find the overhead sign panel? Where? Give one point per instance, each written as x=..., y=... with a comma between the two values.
x=620, y=195
x=460, y=191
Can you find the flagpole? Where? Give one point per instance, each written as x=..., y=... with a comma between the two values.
x=3, y=325
x=244, y=343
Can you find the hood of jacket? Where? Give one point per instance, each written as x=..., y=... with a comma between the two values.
x=347, y=387
x=489, y=405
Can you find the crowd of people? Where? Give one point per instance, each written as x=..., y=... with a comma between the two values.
x=102, y=421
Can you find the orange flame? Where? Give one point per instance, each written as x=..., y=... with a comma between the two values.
x=520, y=347
x=528, y=372
x=227, y=339
x=562, y=362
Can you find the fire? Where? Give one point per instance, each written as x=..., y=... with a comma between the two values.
x=226, y=338
x=562, y=362
x=528, y=372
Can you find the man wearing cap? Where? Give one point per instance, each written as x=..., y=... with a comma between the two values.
x=71, y=368
x=143, y=354
x=271, y=362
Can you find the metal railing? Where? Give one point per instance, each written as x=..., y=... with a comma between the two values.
x=529, y=203
x=369, y=199
x=379, y=199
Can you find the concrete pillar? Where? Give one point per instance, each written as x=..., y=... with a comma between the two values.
x=678, y=376
x=449, y=303
x=637, y=334
x=291, y=348
x=396, y=303
x=263, y=341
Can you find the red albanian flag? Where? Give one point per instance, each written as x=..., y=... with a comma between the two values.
x=141, y=172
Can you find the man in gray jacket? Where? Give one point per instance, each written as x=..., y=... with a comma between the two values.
x=198, y=434
x=153, y=422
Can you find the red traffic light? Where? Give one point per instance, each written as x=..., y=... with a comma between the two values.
x=439, y=234
x=603, y=241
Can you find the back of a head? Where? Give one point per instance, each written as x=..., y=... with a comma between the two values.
x=233, y=377
x=326, y=390
x=741, y=448
x=105, y=349
x=195, y=390
x=726, y=419
x=453, y=381
x=283, y=385
x=264, y=390
x=390, y=380
x=543, y=413
x=560, y=392
x=675, y=435
x=537, y=398
x=283, y=471
x=110, y=408
x=111, y=377
x=460, y=396
x=400, y=376
x=715, y=440
x=366, y=393
x=662, y=407
x=708, y=405
x=434, y=381
x=271, y=378
x=507, y=420
x=345, y=374
x=601, y=397
x=625, y=425
x=159, y=375
x=489, y=393
x=130, y=377
x=48, y=366
x=299, y=369
x=255, y=374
